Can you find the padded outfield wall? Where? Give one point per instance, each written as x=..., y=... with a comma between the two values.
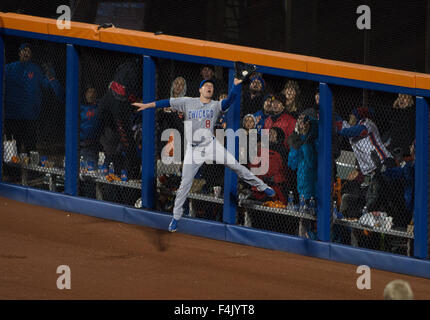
x=71, y=48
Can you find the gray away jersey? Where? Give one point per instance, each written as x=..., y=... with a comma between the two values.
x=202, y=116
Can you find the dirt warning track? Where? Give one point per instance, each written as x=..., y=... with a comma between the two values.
x=111, y=260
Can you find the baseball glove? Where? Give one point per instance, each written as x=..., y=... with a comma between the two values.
x=244, y=70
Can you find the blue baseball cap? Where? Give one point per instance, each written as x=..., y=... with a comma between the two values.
x=23, y=46
x=204, y=81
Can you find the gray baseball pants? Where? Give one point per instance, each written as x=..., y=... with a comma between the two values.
x=214, y=152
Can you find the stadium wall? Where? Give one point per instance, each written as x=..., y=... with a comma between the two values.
x=326, y=72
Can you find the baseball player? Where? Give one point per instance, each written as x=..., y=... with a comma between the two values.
x=203, y=113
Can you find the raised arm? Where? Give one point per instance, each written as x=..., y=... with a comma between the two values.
x=155, y=104
x=235, y=92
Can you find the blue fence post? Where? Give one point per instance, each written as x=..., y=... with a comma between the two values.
x=148, y=129
x=230, y=177
x=72, y=121
x=2, y=63
x=421, y=179
x=324, y=163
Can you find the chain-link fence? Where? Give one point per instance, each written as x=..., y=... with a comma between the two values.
x=110, y=130
x=34, y=113
x=373, y=189
x=286, y=110
x=174, y=80
x=373, y=144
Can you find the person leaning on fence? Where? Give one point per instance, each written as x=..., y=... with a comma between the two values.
x=202, y=113
x=24, y=84
x=398, y=290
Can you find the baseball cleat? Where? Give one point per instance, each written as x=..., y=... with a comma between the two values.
x=270, y=192
x=173, y=225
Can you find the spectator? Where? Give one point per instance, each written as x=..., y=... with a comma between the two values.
x=365, y=140
x=207, y=72
x=278, y=117
x=24, y=84
x=262, y=115
x=88, y=138
x=398, y=290
x=276, y=175
x=253, y=98
x=401, y=132
x=116, y=119
x=291, y=92
x=405, y=173
x=88, y=126
x=303, y=156
x=170, y=119
x=249, y=122
x=317, y=100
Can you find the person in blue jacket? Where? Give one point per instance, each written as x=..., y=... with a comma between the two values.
x=24, y=81
x=88, y=129
x=303, y=143
x=406, y=174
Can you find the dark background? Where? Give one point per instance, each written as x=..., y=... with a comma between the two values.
x=399, y=38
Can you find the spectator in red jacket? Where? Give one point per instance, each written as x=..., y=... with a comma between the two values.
x=278, y=162
x=279, y=118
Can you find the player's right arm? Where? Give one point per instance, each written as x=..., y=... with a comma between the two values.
x=177, y=104
x=155, y=104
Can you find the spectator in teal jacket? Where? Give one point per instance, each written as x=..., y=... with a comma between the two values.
x=24, y=82
x=303, y=143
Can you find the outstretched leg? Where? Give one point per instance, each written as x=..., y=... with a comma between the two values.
x=189, y=170
x=225, y=157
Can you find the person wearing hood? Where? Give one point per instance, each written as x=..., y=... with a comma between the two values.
x=303, y=156
x=365, y=140
x=24, y=84
x=253, y=98
x=276, y=174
